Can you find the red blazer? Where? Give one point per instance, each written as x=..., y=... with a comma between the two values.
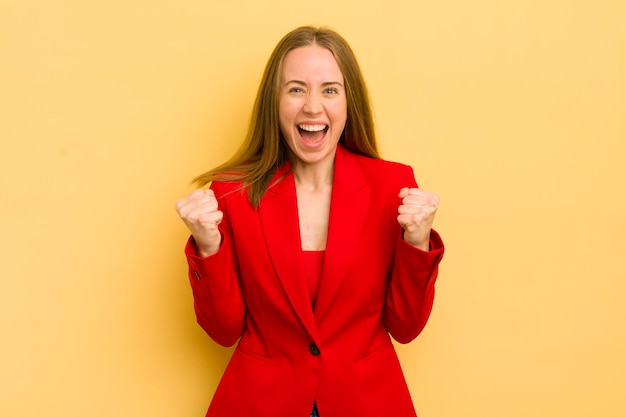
x=373, y=285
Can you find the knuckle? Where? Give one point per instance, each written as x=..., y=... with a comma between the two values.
x=183, y=212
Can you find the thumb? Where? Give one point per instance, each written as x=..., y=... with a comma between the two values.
x=403, y=192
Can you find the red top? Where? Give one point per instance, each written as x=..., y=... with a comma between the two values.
x=312, y=269
x=253, y=293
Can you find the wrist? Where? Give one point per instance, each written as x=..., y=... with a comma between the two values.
x=422, y=243
x=205, y=249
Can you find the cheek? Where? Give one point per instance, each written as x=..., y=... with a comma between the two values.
x=283, y=118
x=340, y=111
x=340, y=117
x=286, y=112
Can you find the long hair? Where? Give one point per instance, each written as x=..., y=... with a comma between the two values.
x=264, y=149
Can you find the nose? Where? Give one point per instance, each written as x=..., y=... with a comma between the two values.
x=312, y=104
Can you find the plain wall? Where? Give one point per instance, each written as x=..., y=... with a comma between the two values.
x=514, y=112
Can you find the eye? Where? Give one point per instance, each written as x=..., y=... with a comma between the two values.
x=296, y=90
x=331, y=90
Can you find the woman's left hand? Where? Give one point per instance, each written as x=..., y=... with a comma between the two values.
x=416, y=215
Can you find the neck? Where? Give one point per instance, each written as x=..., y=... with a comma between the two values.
x=314, y=176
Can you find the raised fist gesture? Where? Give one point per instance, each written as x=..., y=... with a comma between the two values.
x=200, y=212
x=416, y=215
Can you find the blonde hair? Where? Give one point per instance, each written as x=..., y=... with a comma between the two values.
x=264, y=150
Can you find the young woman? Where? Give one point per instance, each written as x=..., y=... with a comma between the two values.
x=310, y=251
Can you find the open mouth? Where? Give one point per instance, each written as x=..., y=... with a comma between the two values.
x=312, y=133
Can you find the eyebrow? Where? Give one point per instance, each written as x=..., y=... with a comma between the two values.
x=324, y=84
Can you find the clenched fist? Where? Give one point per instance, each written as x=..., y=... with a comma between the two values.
x=416, y=215
x=200, y=212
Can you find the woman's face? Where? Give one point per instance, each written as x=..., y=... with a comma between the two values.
x=312, y=106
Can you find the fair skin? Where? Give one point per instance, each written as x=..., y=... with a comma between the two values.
x=312, y=113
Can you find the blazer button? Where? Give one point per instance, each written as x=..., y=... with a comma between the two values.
x=314, y=349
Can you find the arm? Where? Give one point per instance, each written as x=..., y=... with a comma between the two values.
x=412, y=288
x=418, y=251
x=213, y=273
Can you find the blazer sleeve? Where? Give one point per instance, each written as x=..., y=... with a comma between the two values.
x=218, y=302
x=411, y=288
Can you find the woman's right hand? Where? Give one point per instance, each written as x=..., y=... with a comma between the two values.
x=200, y=212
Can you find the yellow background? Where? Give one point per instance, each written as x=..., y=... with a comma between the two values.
x=513, y=111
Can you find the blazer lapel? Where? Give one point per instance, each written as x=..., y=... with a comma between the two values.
x=348, y=208
x=278, y=213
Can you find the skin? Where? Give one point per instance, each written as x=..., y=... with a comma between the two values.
x=312, y=98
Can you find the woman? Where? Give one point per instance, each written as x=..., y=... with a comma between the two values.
x=309, y=250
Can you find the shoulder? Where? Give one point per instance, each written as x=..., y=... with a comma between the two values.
x=381, y=171
x=382, y=165
x=228, y=190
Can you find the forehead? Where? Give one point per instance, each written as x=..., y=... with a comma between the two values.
x=310, y=64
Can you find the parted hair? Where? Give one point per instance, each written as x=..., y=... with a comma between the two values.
x=264, y=149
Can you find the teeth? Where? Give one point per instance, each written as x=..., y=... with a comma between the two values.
x=312, y=128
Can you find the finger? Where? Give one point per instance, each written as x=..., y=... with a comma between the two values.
x=194, y=196
x=407, y=222
x=202, y=195
x=196, y=210
x=204, y=200
x=425, y=209
x=409, y=209
x=422, y=199
x=211, y=219
x=204, y=219
x=403, y=193
x=418, y=203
